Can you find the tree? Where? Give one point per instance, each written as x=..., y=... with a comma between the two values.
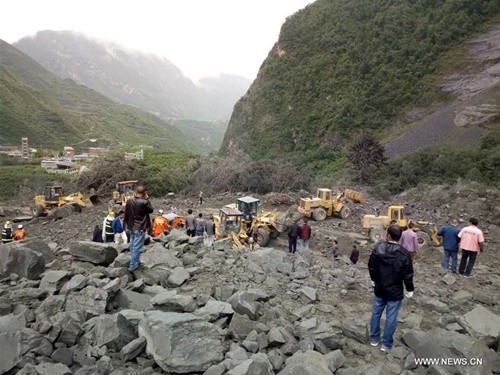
x=365, y=154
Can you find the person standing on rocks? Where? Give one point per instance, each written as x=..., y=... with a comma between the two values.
x=304, y=235
x=335, y=249
x=354, y=255
x=97, y=234
x=293, y=233
x=210, y=230
x=449, y=233
x=119, y=228
x=199, y=225
x=107, y=234
x=20, y=234
x=137, y=210
x=471, y=243
x=409, y=241
x=190, y=224
x=390, y=267
x=200, y=198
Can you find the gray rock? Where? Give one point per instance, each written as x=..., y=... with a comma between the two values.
x=63, y=355
x=213, y=310
x=307, y=363
x=133, y=349
x=435, y=305
x=12, y=323
x=462, y=296
x=267, y=259
x=15, y=258
x=356, y=329
x=104, y=366
x=53, y=281
x=241, y=326
x=449, y=279
x=91, y=300
x=77, y=282
x=114, y=331
x=171, y=301
x=482, y=324
x=159, y=257
x=400, y=352
x=127, y=299
x=308, y=293
x=276, y=358
x=178, y=277
x=39, y=246
x=179, y=342
x=10, y=355
x=276, y=337
x=52, y=369
x=244, y=303
x=219, y=369
x=93, y=252
x=335, y=360
x=258, y=364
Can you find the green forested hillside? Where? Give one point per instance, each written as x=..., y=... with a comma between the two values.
x=343, y=67
x=54, y=112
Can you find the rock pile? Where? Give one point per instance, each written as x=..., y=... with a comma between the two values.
x=191, y=309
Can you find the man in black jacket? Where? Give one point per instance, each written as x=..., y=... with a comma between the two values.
x=137, y=210
x=390, y=267
x=293, y=233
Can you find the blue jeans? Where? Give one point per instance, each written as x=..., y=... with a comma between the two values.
x=453, y=254
x=136, y=244
x=391, y=318
x=304, y=245
x=199, y=232
x=292, y=244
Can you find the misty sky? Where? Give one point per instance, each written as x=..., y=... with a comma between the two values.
x=201, y=37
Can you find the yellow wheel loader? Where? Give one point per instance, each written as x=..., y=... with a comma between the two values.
x=54, y=202
x=374, y=226
x=124, y=190
x=326, y=204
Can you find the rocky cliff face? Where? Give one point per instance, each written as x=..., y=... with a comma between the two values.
x=340, y=69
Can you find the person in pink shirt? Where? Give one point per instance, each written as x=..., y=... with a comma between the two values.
x=409, y=241
x=471, y=243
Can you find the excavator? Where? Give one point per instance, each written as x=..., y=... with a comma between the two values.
x=326, y=204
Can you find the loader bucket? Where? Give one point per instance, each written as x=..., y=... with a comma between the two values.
x=94, y=199
x=355, y=196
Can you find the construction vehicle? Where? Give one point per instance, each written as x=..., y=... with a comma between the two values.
x=326, y=204
x=237, y=220
x=54, y=202
x=124, y=190
x=374, y=226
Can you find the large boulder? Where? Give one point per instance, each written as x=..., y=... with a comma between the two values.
x=178, y=277
x=181, y=343
x=114, y=331
x=91, y=300
x=93, y=252
x=482, y=324
x=159, y=257
x=18, y=259
x=10, y=355
x=53, y=281
x=171, y=301
x=39, y=246
x=356, y=329
x=267, y=259
x=213, y=310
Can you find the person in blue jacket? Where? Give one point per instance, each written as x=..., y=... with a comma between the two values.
x=449, y=233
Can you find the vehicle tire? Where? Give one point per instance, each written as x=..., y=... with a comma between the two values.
x=37, y=211
x=263, y=237
x=319, y=214
x=274, y=234
x=377, y=234
x=423, y=239
x=77, y=208
x=345, y=212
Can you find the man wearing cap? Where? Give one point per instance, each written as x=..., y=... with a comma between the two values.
x=7, y=232
x=20, y=234
x=160, y=224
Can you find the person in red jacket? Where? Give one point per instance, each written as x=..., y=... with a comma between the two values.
x=304, y=235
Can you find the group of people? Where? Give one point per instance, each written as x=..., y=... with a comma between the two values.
x=198, y=226
x=299, y=232
x=114, y=229
x=9, y=235
x=391, y=270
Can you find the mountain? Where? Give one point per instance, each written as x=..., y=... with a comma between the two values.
x=53, y=112
x=344, y=68
x=147, y=81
